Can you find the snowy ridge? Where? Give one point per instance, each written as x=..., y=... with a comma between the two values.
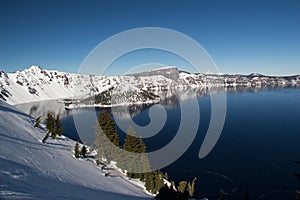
x=36, y=84
x=120, y=95
x=32, y=170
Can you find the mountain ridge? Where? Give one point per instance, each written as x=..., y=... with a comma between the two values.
x=36, y=84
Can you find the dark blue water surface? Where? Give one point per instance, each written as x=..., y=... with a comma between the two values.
x=256, y=151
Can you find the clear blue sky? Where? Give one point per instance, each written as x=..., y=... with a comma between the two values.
x=241, y=36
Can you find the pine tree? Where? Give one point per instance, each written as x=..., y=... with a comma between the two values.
x=143, y=156
x=150, y=182
x=182, y=190
x=105, y=135
x=50, y=124
x=54, y=125
x=83, y=151
x=104, y=146
x=138, y=161
x=132, y=143
x=182, y=186
x=109, y=128
x=154, y=181
x=46, y=137
x=76, y=150
x=191, y=188
x=38, y=121
x=59, y=127
x=127, y=161
x=159, y=182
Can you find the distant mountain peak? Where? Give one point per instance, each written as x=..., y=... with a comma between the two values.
x=35, y=68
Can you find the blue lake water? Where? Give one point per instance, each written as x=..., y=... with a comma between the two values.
x=256, y=151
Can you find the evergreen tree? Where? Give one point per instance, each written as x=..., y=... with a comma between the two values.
x=109, y=128
x=105, y=135
x=38, y=121
x=135, y=162
x=150, y=182
x=83, y=151
x=76, y=150
x=54, y=126
x=154, y=181
x=182, y=190
x=50, y=124
x=132, y=142
x=129, y=161
x=191, y=188
x=105, y=149
x=182, y=186
x=59, y=127
x=46, y=137
x=159, y=181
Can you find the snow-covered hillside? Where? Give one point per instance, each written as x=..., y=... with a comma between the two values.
x=32, y=170
x=122, y=94
x=36, y=84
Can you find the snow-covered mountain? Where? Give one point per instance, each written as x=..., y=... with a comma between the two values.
x=32, y=170
x=36, y=84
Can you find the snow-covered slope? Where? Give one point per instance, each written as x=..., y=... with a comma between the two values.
x=36, y=84
x=32, y=170
x=121, y=94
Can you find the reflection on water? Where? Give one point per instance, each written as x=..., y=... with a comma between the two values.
x=41, y=108
x=168, y=99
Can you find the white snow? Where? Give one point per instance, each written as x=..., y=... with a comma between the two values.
x=52, y=84
x=35, y=84
x=32, y=170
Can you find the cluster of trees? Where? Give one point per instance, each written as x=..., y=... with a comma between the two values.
x=132, y=154
x=185, y=190
x=154, y=181
x=78, y=153
x=54, y=126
